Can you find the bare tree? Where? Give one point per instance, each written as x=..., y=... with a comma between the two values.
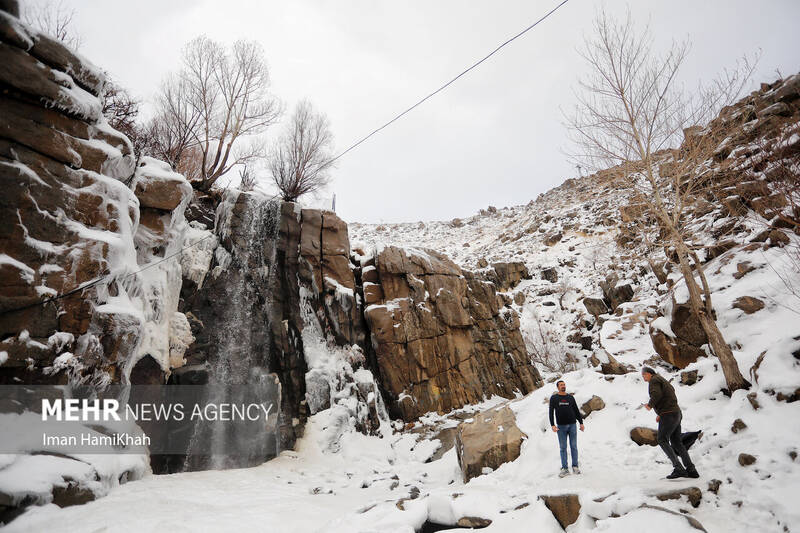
x=54, y=19
x=122, y=111
x=205, y=111
x=248, y=179
x=301, y=159
x=632, y=113
x=546, y=347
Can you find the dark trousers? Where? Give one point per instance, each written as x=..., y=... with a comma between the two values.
x=669, y=438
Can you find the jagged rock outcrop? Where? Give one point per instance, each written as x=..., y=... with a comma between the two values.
x=274, y=271
x=442, y=337
x=73, y=234
x=87, y=292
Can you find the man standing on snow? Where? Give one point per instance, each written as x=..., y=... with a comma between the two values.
x=567, y=414
x=663, y=400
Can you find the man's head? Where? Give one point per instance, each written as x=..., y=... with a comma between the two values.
x=647, y=373
x=561, y=386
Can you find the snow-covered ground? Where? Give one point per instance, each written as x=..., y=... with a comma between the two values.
x=366, y=483
x=357, y=489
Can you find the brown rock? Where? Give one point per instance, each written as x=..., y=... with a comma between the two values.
x=769, y=206
x=689, y=377
x=752, y=189
x=745, y=459
x=473, y=522
x=693, y=494
x=553, y=238
x=550, y=274
x=614, y=367
x=748, y=304
x=509, y=274
x=565, y=508
x=595, y=403
x=158, y=187
x=738, y=425
x=752, y=397
x=595, y=306
x=718, y=249
x=676, y=352
x=778, y=238
x=489, y=441
x=441, y=340
x=686, y=325
x=72, y=494
x=714, y=485
x=742, y=269
x=734, y=206
x=642, y=436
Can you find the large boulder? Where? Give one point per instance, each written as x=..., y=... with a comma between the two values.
x=595, y=306
x=676, y=352
x=642, y=436
x=679, y=340
x=489, y=440
x=615, y=293
x=565, y=508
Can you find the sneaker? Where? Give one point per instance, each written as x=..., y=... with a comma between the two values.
x=692, y=472
x=576, y=470
x=564, y=472
x=677, y=473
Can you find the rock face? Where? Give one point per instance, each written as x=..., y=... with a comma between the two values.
x=441, y=336
x=507, y=275
x=277, y=271
x=73, y=235
x=684, y=346
x=491, y=439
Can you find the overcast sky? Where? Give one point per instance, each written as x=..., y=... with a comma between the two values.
x=493, y=138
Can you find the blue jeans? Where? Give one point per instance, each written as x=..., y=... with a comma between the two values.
x=571, y=431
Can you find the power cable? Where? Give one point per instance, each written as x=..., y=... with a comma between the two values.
x=352, y=147
x=443, y=87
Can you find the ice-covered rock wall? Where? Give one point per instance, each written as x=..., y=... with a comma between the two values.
x=87, y=285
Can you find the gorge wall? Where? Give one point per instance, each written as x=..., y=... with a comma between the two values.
x=111, y=271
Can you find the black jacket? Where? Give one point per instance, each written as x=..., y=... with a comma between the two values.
x=662, y=396
x=565, y=408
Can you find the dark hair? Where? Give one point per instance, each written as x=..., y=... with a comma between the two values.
x=560, y=381
x=648, y=370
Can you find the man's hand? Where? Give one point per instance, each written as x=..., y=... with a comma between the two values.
x=658, y=418
x=581, y=427
x=555, y=429
x=647, y=406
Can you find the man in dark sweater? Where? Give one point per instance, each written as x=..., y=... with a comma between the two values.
x=567, y=414
x=663, y=400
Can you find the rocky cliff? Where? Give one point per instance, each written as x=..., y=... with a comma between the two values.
x=442, y=336
x=112, y=271
x=87, y=281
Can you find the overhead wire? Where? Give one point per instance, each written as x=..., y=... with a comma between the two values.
x=109, y=276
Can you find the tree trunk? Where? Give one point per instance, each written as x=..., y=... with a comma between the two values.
x=730, y=368
x=733, y=377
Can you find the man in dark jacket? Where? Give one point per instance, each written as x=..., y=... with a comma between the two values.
x=567, y=414
x=663, y=400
